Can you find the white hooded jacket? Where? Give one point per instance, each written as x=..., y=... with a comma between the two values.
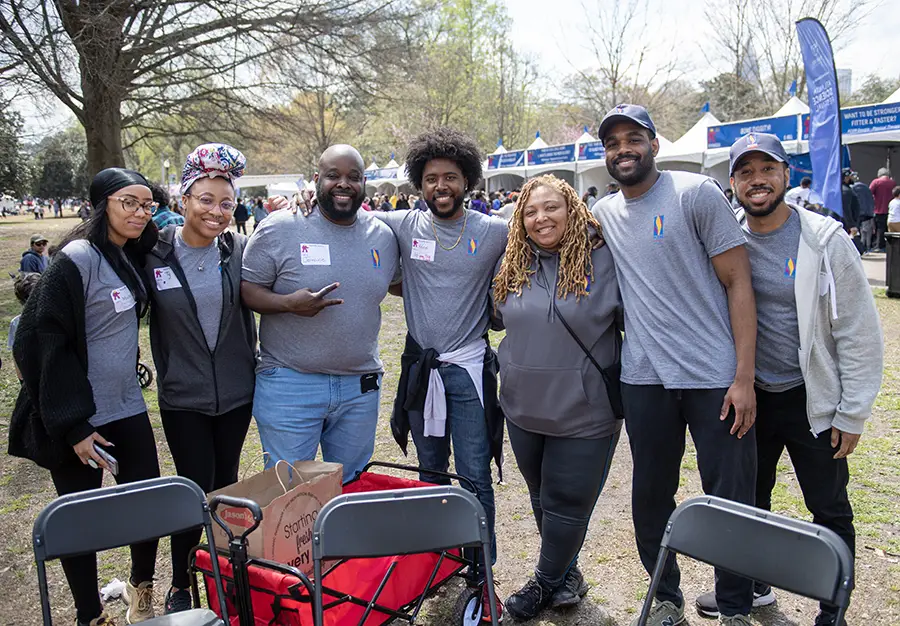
x=841, y=346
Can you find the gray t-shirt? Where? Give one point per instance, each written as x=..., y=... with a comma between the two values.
x=204, y=276
x=773, y=262
x=288, y=252
x=111, y=326
x=445, y=292
x=677, y=327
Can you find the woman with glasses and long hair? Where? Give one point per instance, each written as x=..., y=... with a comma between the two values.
x=203, y=338
x=77, y=349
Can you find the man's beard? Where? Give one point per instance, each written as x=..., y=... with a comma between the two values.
x=326, y=205
x=768, y=209
x=640, y=173
x=457, y=202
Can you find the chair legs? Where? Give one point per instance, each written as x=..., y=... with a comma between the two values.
x=654, y=585
x=489, y=581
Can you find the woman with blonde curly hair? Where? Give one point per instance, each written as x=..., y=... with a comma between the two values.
x=558, y=298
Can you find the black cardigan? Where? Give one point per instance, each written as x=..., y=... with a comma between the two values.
x=55, y=400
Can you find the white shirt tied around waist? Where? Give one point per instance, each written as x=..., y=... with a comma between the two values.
x=470, y=357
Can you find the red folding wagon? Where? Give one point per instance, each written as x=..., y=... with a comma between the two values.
x=361, y=591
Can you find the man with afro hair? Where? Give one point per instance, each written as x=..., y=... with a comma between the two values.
x=448, y=382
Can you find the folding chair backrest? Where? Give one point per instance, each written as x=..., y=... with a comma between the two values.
x=790, y=554
x=400, y=521
x=93, y=521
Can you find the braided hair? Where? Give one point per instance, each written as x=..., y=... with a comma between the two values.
x=575, y=266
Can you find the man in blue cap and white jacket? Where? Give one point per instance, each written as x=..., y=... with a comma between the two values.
x=816, y=381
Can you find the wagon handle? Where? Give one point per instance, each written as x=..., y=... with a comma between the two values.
x=240, y=503
x=412, y=468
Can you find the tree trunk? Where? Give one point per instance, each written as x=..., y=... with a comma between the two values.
x=96, y=30
x=103, y=129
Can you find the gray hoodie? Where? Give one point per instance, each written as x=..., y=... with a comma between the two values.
x=841, y=346
x=548, y=385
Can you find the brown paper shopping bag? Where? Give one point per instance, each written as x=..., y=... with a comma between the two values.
x=290, y=497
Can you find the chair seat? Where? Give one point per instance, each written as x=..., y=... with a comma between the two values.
x=194, y=617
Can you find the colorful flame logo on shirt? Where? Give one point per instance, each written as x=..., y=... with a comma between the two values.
x=473, y=247
x=659, y=225
x=790, y=268
x=376, y=258
x=587, y=283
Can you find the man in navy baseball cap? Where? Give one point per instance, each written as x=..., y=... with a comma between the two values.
x=626, y=113
x=757, y=142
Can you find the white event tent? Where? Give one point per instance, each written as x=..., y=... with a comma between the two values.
x=686, y=153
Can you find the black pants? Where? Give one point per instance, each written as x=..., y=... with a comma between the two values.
x=206, y=449
x=564, y=477
x=656, y=419
x=135, y=450
x=781, y=423
x=880, y=229
x=241, y=227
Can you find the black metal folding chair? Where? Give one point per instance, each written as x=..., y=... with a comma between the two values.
x=395, y=522
x=93, y=521
x=790, y=554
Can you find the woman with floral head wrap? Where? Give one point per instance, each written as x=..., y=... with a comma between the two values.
x=559, y=301
x=77, y=348
x=203, y=338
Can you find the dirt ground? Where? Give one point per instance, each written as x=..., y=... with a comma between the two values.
x=609, y=557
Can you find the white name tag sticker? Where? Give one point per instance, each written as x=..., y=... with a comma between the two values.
x=165, y=279
x=122, y=299
x=422, y=250
x=315, y=254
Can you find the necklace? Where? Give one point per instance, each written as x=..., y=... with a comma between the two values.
x=458, y=239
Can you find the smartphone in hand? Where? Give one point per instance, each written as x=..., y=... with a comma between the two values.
x=111, y=461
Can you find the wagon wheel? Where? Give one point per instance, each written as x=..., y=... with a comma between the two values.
x=467, y=611
x=144, y=375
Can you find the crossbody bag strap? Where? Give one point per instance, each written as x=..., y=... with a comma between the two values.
x=581, y=344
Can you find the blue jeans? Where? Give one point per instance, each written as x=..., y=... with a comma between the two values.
x=467, y=428
x=296, y=411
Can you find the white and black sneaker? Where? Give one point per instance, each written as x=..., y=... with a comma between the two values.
x=707, y=607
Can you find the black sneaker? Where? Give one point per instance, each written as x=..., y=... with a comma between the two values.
x=573, y=589
x=178, y=601
x=529, y=601
x=707, y=606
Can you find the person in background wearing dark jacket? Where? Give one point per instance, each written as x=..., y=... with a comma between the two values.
x=403, y=202
x=33, y=259
x=203, y=339
x=241, y=215
x=77, y=347
x=866, y=212
x=563, y=441
x=849, y=206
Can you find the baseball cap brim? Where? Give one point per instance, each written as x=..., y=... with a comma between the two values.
x=741, y=155
x=611, y=120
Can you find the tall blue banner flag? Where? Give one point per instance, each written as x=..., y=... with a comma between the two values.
x=824, y=112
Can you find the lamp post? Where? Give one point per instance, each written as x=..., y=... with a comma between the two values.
x=165, y=178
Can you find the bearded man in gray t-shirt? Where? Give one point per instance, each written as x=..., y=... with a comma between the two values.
x=319, y=373
x=448, y=383
x=690, y=337
x=816, y=381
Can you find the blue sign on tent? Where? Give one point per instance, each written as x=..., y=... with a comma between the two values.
x=590, y=151
x=874, y=118
x=381, y=174
x=785, y=128
x=507, y=159
x=553, y=154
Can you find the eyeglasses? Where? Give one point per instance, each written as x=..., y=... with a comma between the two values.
x=40, y=243
x=132, y=205
x=207, y=203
